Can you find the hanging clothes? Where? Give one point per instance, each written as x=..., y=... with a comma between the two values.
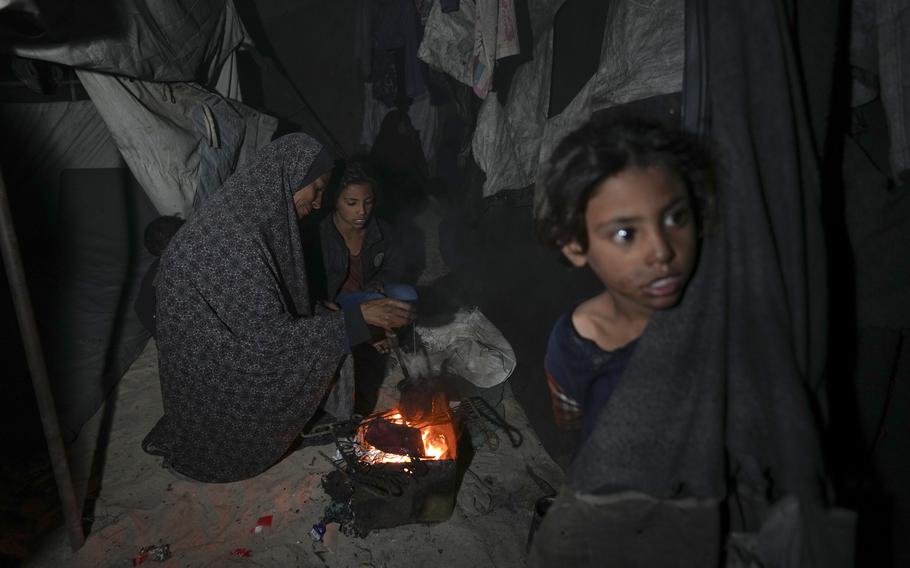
x=642, y=55
x=467, y=42
x=395, y=34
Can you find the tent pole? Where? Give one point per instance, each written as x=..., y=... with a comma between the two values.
x=15, y=273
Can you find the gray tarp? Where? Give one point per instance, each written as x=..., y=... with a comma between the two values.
x=56, y=136
x=642, y=55
x=147, y=65
x=178, y=139
x=177, y=40
x=467, y=42
x=880, y=43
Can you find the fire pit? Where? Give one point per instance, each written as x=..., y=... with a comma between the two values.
x=395, y=471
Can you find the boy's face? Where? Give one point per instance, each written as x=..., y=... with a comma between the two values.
x=354, y=205
x=641, y=239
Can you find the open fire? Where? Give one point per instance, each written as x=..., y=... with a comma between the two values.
x=433, y=441
x=399, y=468
x=390, y=438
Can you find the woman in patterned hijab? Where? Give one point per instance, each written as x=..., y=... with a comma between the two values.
x=243, y=359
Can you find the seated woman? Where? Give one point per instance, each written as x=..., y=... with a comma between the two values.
x=358, y=250
x=244, y=359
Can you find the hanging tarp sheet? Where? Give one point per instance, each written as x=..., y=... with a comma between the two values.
x=642, y=55
x=179, y=139
x=178, y=40
x=466, y=43
x=879, y=44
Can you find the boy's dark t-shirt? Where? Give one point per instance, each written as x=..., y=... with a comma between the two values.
x=582, y=376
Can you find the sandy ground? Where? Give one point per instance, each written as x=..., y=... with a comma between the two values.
x=139, y=503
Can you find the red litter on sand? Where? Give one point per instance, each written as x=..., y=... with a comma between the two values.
x=242, y=552
x=262, y=524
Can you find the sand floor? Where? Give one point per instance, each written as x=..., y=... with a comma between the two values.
x=134, y=502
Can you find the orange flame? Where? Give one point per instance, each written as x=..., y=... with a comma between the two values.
x=435, y=437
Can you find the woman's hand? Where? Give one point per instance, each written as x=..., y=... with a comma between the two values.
x=383, y=346
x=387, y=313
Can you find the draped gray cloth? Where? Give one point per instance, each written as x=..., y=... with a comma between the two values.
x=180, y=140
x=244, y=362
x=641, y=56
x=178, y=40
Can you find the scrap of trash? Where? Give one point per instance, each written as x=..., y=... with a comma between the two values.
x=156, y=552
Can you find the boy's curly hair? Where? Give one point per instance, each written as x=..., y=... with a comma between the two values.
x=603, y=148
x=354, y=171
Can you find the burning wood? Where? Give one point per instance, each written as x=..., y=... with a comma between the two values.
x=395, y=471
x=389, y=438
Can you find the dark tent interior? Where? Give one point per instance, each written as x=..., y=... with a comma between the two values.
x=761, y=422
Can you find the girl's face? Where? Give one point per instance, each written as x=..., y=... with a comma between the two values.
x=641, y=239
x=354, y=205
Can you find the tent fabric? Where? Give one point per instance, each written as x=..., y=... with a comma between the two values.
x=467, y=42
x=47, y=138
x=179, y=40
x=91, y=333
x=714, y=401
x=180, y=140
x=448, y=41
x=34, y=19
x=880, y=42
x=642, y=55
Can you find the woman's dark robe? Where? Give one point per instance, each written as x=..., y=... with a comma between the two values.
x=243, y=361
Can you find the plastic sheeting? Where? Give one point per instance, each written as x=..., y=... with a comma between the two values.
x=467, y=42
x=880, y=42
x=642, y=55
x=180, y=140
x=178, y=40
x=469, y=346
x=56, y=136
